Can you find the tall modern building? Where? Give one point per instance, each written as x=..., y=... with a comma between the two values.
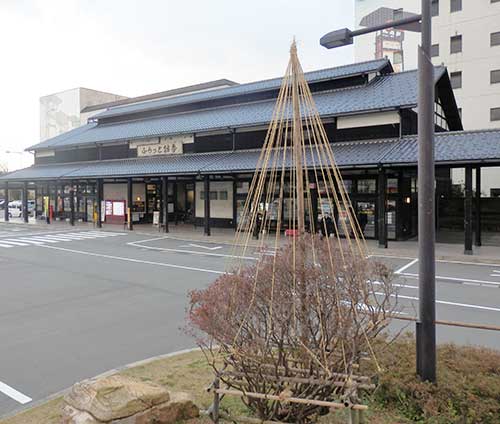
x=466, y=38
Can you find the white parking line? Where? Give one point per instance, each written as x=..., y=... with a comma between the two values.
x=461, y=280
x=408, y=265
x=205, y=247
x=193, y=252
x=14, y=394
x=120, y=258
x=445, y=302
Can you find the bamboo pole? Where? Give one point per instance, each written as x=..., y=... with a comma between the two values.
x=334, y=405
x=451, y=323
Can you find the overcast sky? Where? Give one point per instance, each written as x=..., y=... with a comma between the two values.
x=136, y=47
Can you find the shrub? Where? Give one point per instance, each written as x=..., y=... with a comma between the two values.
x=468, y=389
x=304, y=312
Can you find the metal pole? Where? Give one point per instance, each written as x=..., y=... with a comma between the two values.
x=25, y=202
x=468, y=211
x=207, y=204
x=99, y=202
x=72, y=204
x=6, y=203
x=426, y=354
x=478, y=206
x=165, y=203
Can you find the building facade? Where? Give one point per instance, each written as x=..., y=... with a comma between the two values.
x=190, y=158
x=466, y=39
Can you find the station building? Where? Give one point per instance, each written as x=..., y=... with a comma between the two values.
x=190, y=158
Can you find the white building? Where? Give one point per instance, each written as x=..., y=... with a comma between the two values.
x=466, y=38
x=62, y=112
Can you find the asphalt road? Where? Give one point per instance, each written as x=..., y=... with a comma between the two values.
x=76, y=303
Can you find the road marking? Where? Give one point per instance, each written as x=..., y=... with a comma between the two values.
x=205, y=247
x=408, y=265
x=140, y=261
x=41, y=239
x=445, y=302
x=14, y=243
x=461, y=280
x=14, y=394
x=193, y=252
x=26, y=240
x=7, y=246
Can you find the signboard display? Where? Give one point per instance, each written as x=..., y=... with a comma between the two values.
x=165, y=146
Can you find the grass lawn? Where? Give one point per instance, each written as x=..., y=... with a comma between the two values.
x=468, y=389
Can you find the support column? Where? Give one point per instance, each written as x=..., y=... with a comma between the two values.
x=25, y=202
x=99, y=202
x=164, y=187
x=314, y=206
x=6, y=204
x=382, y=202
x=130, y=196
x=478, y=240
x=207, y=205
x=46, y=206
x=468, y=211
x=235, y=203
x=56, y=201
x=176, y=212
x=77, y=199
x=72, y=204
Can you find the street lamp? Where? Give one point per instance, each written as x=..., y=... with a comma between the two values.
x=426, y=325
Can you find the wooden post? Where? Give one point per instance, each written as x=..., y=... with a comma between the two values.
x=215, y=411
x=130, y=200
x=164, y=186
x=382, y=224
x=468, y=211
x=478, y=241
x=207, y=204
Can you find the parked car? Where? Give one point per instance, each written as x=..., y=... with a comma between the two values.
x=2, y=204
x=15, y=209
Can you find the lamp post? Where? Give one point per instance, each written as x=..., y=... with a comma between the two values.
x=426, y=326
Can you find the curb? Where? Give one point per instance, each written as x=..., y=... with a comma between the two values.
x=102, y=375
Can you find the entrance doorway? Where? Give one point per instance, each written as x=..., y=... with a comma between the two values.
x=152, y=200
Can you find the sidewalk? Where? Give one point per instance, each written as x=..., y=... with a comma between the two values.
x=444, y=251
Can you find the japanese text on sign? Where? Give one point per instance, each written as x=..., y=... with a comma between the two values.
x=165, y=147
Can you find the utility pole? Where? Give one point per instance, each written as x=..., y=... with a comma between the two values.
x=426, y=326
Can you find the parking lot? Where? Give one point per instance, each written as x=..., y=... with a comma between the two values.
x=78, y=301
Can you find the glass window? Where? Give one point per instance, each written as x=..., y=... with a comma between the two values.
x=398, y=58
x=367, y=186
x=495, y=39
x=456, y=80
x=495, y=76
x=202, y=195
x=455, y=6
x=495, y=114
x=435, y=50
x=435, y=7
x=213, y=195
x=348, y=186
x=223, y=195
x=456, y=44
x=392, y=185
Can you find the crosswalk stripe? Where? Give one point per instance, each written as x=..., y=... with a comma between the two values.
x=39, y=240
x=14, y=243
x=43, y=239
x=26, y=240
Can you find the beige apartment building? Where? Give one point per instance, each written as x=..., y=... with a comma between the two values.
x=466, y=39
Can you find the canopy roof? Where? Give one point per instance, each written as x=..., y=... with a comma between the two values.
x=454, y=148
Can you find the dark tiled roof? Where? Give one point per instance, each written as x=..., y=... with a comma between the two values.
x=383, y=92
x=252, y=87
x=454, y=147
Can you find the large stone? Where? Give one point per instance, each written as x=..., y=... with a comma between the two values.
x=71, y=415
x=115, y=397
x=180, y=407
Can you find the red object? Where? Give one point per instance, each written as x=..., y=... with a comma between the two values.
x=51, y=212
x=291, y=233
